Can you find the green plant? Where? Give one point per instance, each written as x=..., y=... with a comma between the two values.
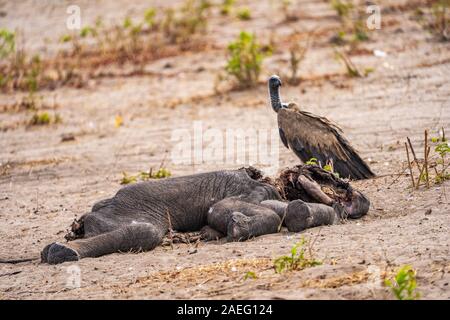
x=327, y=167
x=312, y=161
x=250, y=275
x=342, y=8
x=144, y=176
x=404, y=284
x=436, y=154
x=244, y=14
x=66, y=38
x=127, y=179
x=87, y=31
x=149, y=17
x=44, y=118
x=440, y=23
x=226, y=7
x=297, y=52
x=286, y=8
x=7, y=43
x=353, y=27
x=297, y=260
x=442, y=149
x=192, y=18
x=352, y=70
x=245, y=58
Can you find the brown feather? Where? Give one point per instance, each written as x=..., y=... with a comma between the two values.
x=311, y=136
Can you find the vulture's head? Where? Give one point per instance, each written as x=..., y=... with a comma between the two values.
x=274, y=82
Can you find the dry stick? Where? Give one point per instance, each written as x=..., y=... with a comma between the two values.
x=409, y=165
x=412, y=150
x=426, y=158
x=421, y=171
x=396, y=179
x=15, y=261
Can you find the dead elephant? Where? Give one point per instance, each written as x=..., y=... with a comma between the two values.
x=238, y=204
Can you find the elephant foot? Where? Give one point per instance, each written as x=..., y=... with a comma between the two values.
x=56, y=253
x=238, y=227
x=298, y=216
x=301, y=215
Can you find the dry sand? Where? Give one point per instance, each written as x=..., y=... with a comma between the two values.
x=49, y=182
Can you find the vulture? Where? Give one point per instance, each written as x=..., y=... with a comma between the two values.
x=310, y=136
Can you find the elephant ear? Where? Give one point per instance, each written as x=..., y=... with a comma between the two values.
x=311, y=136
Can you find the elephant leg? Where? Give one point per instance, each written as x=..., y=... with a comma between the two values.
x=278, y=206
x=241, y=220
x=301, y=215
x=129, y=238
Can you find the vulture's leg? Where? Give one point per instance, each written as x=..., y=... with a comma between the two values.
x=129, y=238
x=241, y=220
x=301, y=215
x=313, y=189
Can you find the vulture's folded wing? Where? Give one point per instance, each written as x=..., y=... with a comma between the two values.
x=310, y=136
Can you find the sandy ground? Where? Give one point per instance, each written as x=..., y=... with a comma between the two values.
x=48, y=182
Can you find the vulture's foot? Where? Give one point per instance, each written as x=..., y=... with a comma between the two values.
x=238, y=227
x=301, y=215
x=56, y=253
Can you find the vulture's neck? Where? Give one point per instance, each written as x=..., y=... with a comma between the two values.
x=275, y=99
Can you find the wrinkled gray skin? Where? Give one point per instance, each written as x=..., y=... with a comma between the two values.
x=222, y=203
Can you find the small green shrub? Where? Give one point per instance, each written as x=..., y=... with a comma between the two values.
x=144, y=176
x=440, y=21
x=7, y=43
x=342, y=8
x=404, y=284
x=298, y=259
x=44, y=118
x=245, y=58
x=353, y=27
x=312, y=161
x=442, y=149
x=149, y=17
x=244, y=14
x=297, y=53
x=288, y=11
x=191, y=19
x=226, y=7
x=250, y=275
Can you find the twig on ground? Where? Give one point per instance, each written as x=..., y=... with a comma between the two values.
x=16, y=261
x=409, y=165
x=421, y=171
x=398, y=177
x=426, y=151
x=412, y=150
x=10, y=273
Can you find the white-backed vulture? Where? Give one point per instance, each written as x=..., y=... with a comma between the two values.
x=310, y=136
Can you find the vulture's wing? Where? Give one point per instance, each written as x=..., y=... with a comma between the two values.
x=310, y=136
